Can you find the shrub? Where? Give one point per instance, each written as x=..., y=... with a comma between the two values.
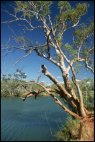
x=70, y=131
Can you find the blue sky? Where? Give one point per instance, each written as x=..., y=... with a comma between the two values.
x=31, y=64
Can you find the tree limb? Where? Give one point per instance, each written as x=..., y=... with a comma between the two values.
x=47, y=73
x=55, y=98
x=89, y=67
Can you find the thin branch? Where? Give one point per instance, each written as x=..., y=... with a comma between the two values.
x=22, y=48
x=26, y=96
x=74, y=25
x=92, y=49
x=33, y=28
x=80, y=60
x=74, y=61
x=89, y=67
x=8, y=13
x=79, y=49
x=42, y=55
x=25, y=88
x=21, y=58
x=17, y=19
x=39, y=77
x=53, y=31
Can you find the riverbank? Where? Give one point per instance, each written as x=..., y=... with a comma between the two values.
x=88, y=130
x=13, y=96
x=76, y=130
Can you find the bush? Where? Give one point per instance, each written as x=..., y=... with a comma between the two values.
x=70, y=131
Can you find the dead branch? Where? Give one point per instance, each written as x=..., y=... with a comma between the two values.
x=30, y=94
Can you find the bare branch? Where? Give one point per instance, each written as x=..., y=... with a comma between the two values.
x=33, y=28
x=21, y=58
x=47, y=73
x=26, y=96
x=53, y=31
x=79, y=49
x=79, y=92
x=17, y=19
x=80, y=60
x=39, y=77
x=74, y=25
x=92, y=49
x=74, y=61
x=55, y=98
x=8, y=13
x=42, y=55
x=89, y=67
x=66, y=109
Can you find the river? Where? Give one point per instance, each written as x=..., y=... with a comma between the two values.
x=32, y=120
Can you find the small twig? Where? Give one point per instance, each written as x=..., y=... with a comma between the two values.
x=21, y=58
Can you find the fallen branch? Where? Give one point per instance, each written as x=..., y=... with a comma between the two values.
x=35, y=93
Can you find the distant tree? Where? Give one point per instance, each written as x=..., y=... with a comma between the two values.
x=11, y=86
x=19, y=74
x=4, y=77
x=67, y=56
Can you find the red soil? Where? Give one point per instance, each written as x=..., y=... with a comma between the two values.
x=90, y=127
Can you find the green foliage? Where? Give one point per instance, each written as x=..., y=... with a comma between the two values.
x=82, y=8
x=78, y=66
x=33, y=8
x=70, y=15
x=58, y=38
x=10, y=85
x=7, y=88
x=13, y=86
x=43, y=50
x=70, y=50
x=43, y=7
x=23, y=7
x=64, y=5
x=86, y=52
x=21, y=40
x=70, y=131
x=83, y=32
x=87, y=87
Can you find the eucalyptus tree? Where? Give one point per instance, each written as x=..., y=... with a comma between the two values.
x=67, y=56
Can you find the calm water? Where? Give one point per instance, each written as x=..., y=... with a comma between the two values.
x=32, y=120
